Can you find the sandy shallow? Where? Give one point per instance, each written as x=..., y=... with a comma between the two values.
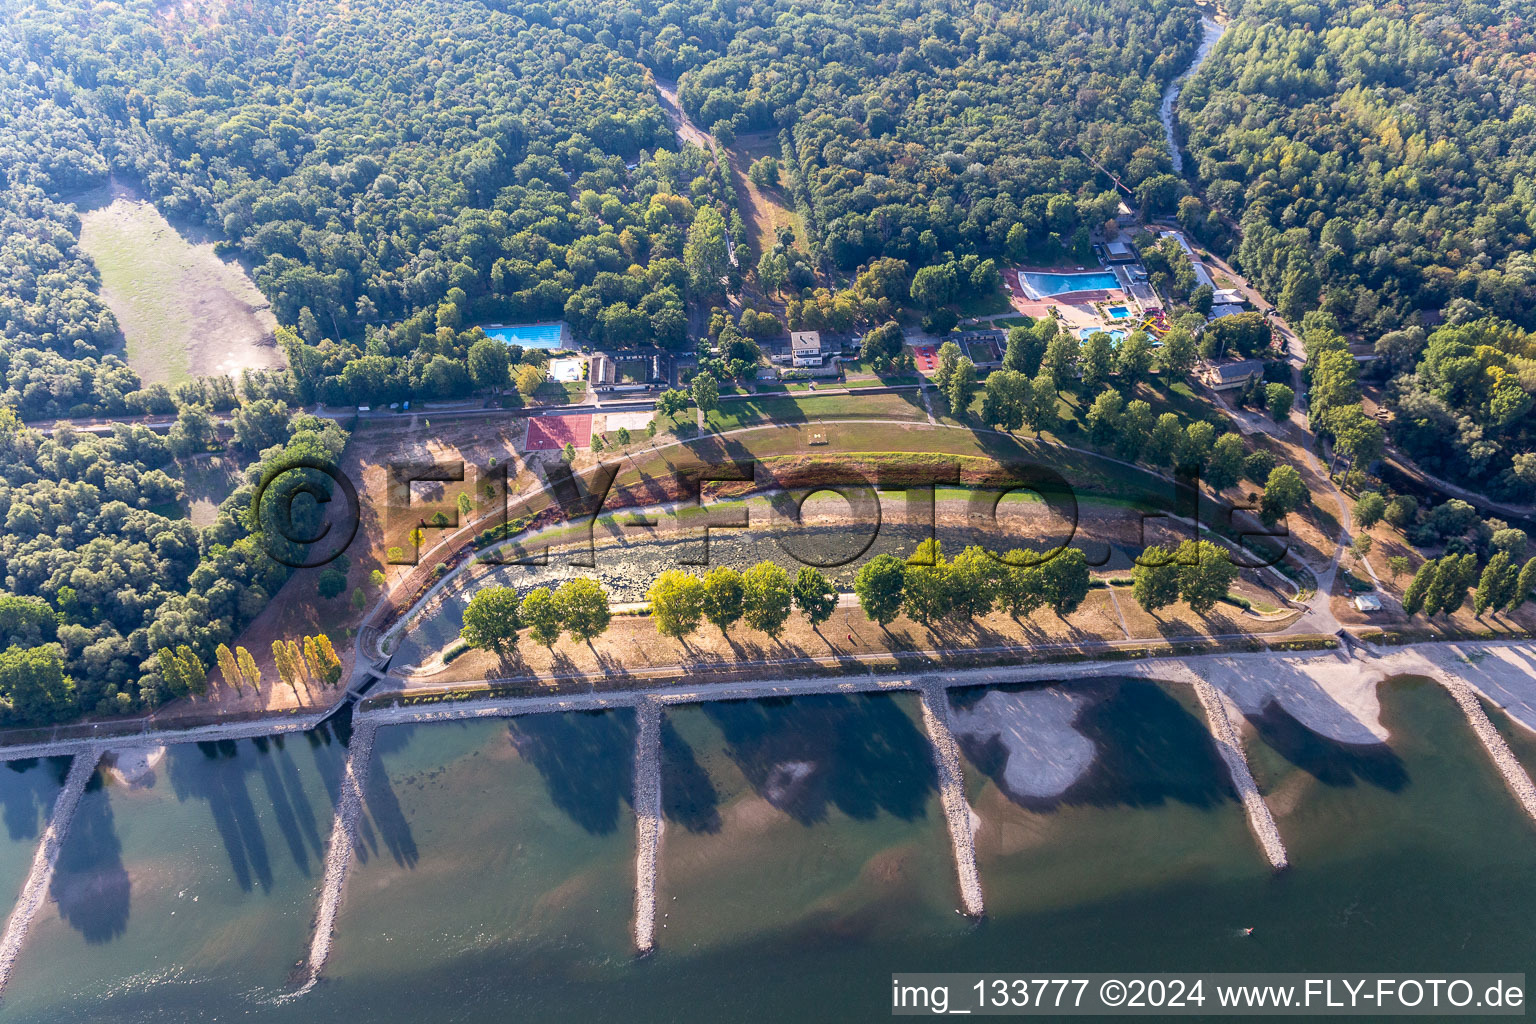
x=1046, y=753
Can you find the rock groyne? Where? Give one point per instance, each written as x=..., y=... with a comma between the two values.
x=36, y=886
x=946, y=758
x=338, y=855
x=1515, y=776
x=1230, y=745
x=647, y=820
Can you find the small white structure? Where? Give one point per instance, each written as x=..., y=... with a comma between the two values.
x=1367, y=603
x=1227, y=297
x=805, y=348
x=1225, y=309
x=566, y=370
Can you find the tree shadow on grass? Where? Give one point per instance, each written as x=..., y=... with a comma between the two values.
x=586, y=759
x=861, y=754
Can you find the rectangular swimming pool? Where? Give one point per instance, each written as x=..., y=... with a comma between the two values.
x=1118, y=312
x=1040, y=286
x=528, y=335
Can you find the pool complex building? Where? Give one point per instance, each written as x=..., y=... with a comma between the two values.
x=546, y=336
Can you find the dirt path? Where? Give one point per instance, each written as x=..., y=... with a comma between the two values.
x=686, y=130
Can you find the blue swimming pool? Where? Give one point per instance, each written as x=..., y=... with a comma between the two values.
x=527, y=335
x=1039, y=286
x=1118, y=312
x=1115, y=334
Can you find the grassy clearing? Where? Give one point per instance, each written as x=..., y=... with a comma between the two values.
x=765, y=210
x=209, y=479
x=184, y=312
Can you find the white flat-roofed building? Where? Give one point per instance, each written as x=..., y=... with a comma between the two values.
x=1226, y=309
x=1202, y=276
x=1227, y=297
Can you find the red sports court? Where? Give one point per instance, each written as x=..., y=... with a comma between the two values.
x=927, y=357
x=552, y=433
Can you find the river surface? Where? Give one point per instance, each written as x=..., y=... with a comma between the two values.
x=1213, y=30
x=805, y=859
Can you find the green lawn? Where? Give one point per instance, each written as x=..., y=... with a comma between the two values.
x=984, y=305
x=788, y=409
x=563, y=393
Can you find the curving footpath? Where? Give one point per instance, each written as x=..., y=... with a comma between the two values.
x=647, y=820
x=349, y=807
x=80, y=771
x=946, y=758
x=1260, y=821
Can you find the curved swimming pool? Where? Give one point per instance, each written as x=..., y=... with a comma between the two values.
x=1040, y=286
x=544, y=336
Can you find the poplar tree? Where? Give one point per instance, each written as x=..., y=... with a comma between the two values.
x=248, y=668
x=330, y=664
x=285, y=670
x=1497, y=584
x=1418, y=588
x=229, y=669
x=1524, y=584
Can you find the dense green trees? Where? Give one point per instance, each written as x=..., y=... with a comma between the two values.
x=393, y=177
x=1364, y=178
x=1199, y=573
x=100, y=562
x=1464, y=409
